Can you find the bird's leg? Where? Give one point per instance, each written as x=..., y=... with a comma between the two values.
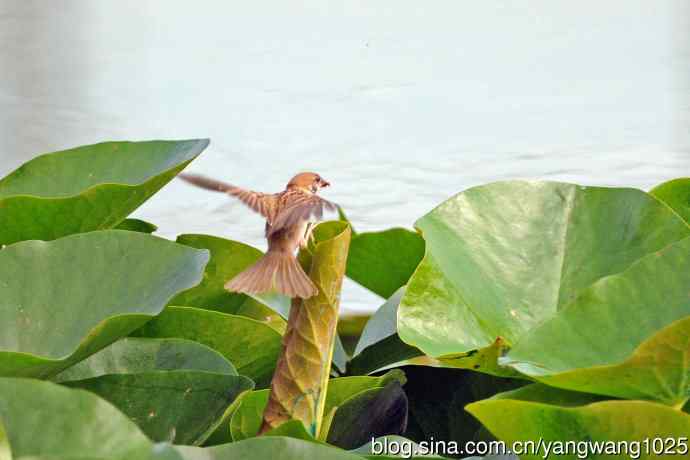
x=308, y=236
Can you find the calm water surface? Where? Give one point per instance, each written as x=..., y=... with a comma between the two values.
x=399, y=104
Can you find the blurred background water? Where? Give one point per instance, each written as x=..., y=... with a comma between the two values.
x=400, y=104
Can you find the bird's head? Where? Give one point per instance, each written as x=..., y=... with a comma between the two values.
x=307, y=181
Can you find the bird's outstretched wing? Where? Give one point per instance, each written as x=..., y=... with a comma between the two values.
x=298, y=207
x=263, y=203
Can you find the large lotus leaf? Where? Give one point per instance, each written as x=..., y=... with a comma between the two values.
x=246, y=420
x=250, y=345
x=384, y=261
x=503, y=258
x=628, y=335
x=676, y=194
x=300, y=382
x=64, y=300
x=46, y=419
x=182, y=407
x=87, y=188
x=133, y=355
x=265, y=447
x=536, y=412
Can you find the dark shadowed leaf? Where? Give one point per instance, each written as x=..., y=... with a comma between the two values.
x=437, y=399
x=369, y=414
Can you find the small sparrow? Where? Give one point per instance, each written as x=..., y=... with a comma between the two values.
x=289, y=223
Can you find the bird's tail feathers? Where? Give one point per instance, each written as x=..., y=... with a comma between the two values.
x=275, y=271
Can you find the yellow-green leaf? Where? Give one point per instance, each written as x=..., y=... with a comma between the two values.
x=537, y=412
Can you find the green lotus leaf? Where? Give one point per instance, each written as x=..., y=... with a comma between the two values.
x=87, y=188
x=136, y=225
x=62, y=301
x=133, y=355
x=503, y=258
x=537, y=412
x=43, y=419
x=644, y=355
x=676, y=194
x=250, y=345
x=384, y=261
x=264, y=447
x=182, y=407
x=246, y=420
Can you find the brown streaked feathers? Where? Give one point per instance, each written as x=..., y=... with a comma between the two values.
x=262, y=203
x=287, y=214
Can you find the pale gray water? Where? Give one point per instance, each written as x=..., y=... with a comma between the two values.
x=399, y=104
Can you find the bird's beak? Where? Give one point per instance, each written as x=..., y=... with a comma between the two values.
x=325, y=183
